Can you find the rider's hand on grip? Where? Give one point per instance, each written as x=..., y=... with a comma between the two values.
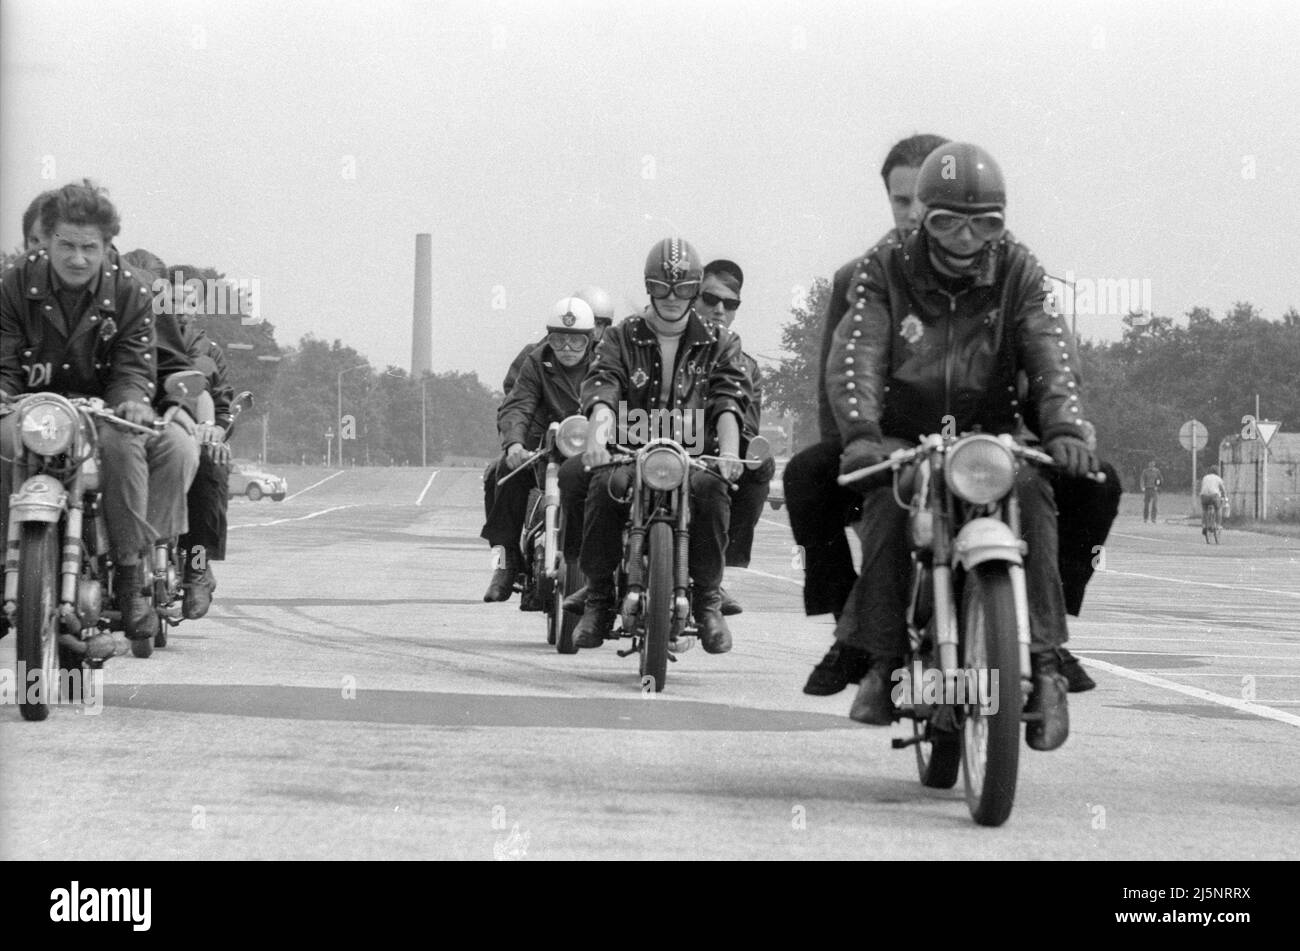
x=1072, y=456
x=595, y=456
x=515, y=456
x=141, y=414
x=729, y=466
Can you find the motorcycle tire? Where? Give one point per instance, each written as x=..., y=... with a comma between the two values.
x=564, y=622
x=658, y=607
x=991, y=742
x=37, y=644
x=938, y=755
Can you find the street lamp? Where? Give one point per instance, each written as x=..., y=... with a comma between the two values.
x=339, y=416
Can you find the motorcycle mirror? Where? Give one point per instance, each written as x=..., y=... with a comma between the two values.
x=186, y=384
x=241, y=402
x=759, y=450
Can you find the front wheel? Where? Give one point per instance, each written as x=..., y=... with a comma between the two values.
x=938, y=755
x=38, y=619
x=565, y=623
x=658, y=607
x=990, y=735
x=254, y=492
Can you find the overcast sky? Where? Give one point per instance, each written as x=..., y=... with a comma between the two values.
x=549, y=144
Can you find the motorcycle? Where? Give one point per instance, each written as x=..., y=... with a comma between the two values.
x=966, y=678
x=546, y=578
x=653, y=586
x=168, y=561
x=57, y=570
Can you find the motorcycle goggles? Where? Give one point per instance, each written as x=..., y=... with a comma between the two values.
x=984, y=225
x=682, y=290
x=729, y=304
x=568, y=341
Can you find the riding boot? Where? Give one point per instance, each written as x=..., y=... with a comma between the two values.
x=874, y=703
x=138, y=618
x=598, y=614
x=713, y=630
x=502, y=584
x=1051, y=727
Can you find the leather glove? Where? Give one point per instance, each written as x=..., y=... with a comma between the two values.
x=1072, y=455
x=766, y=471
x=860, y=453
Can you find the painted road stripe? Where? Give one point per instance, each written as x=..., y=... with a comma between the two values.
x=300, y=518
x=1139, y=653
x=755, y=571
x=1200, y=584
x=313, y=485
x=1257, y=709
x=426, y=487
x=1227, y=639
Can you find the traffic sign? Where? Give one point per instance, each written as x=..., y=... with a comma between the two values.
x=1266, y=429
x=1193, y=435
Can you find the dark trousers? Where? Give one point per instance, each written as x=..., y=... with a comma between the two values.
x=819, y=509
x=874, y=618
x=746, y=509
x=509, y=507
x=587, y=499
x=1150, y=499
x=208, y=502
x=1087, y=511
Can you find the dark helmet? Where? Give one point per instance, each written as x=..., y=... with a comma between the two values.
x=673, y=260
x=962, y=177
x=602, y=308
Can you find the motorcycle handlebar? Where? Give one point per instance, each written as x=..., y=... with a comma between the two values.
x=902, y=457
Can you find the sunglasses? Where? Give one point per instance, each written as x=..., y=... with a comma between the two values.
x=729, y=304
x=682, y=290
x=561, y=341
x=984, y=224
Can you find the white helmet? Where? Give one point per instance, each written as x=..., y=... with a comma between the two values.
x=571, y=315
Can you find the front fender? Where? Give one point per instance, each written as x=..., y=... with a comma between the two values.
x=41, y=498
x=988, y=539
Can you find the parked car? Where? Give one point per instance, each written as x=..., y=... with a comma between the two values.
x=248, y=478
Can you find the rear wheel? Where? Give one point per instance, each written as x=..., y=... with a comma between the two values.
x=38, y=619
x=991, y=736
x=658, y=606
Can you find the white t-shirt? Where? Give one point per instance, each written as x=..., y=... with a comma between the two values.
x=1212, y=486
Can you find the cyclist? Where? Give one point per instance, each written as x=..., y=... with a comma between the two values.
x=1213, y=496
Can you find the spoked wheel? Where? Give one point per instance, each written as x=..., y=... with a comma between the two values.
x=991, y=737
x=38, y=619
x=938, y=755
x=564, y=623
x=659, y=606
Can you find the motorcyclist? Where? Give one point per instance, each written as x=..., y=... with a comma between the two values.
x=602, y=309
x=718, y=302
x=665, y=359
x=208, y=500
x=76, y=324
x=547, y=391
x=940, y=321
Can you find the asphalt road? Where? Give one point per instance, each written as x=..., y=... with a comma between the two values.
x=350, y=696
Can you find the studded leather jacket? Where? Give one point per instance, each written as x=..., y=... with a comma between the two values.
x=909, y=351
x=709, y=375
x=107, y=351
x=544, y=392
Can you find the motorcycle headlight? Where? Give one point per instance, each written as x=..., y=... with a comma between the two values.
x=572, y=436
x=980, y=469
x=663, y=469
x=47, y=427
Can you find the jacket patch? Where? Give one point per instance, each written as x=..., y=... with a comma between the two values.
x=912, y=329
x=640, y=378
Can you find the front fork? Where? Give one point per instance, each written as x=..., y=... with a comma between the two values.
x=551, y=530
x=1020, y=594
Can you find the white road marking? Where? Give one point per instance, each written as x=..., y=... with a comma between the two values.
x=1227, y=639
x=426, y=487
x=1086, y=650
x=313, y=485
x=1201, y=584
x=300, y=518
x=768, y=521
x=1257, y=709
x=755, y=571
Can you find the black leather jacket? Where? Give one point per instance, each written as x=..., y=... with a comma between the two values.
x=909, y=352
x=544, y=392
x=710, y=373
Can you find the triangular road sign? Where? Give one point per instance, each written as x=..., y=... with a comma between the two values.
x=1266, y=429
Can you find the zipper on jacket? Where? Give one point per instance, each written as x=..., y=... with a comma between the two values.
x=947, y=355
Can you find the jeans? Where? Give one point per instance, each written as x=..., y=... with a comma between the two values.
x=1149, y=499
x=819, y=509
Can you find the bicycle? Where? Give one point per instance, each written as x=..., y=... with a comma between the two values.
x=1211, y=518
